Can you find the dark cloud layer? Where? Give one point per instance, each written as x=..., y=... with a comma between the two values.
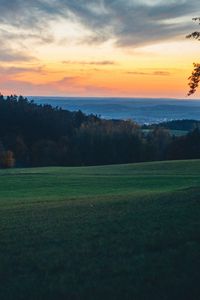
x=129, y=23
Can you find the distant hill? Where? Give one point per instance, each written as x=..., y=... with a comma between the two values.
x=141, y=110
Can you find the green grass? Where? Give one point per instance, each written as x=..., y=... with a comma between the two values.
x=108, y=232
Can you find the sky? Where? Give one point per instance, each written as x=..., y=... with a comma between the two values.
x=103, y=48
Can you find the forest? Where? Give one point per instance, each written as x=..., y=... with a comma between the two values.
x=33, y=135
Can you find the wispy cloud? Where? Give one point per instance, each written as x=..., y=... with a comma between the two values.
x=66, y=86
x=9, y=55
x=63, y=85
x=10, y=71
x=162, y=73
x=95, y=63
x=154, y=73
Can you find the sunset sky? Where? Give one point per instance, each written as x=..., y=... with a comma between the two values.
x=131, y=48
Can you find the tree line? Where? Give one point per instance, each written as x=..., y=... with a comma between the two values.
x=183, y=125
x=34, y=135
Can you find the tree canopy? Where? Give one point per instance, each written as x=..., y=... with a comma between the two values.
x=34, y=135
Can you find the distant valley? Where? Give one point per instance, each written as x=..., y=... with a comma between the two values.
x=141, y=110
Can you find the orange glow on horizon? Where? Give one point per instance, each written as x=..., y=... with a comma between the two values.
x=147, y=72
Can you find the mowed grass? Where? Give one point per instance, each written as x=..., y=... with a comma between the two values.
x=108, y=232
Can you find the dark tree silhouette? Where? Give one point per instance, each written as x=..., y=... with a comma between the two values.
x=40, y=135
x=195, y=76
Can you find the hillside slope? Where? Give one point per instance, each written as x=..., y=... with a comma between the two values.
x=118, y=232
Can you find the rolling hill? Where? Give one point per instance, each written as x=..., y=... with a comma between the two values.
x=113, y=232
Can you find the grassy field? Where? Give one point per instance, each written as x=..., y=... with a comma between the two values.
x=109, y=232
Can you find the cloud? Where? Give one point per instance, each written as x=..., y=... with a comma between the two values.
x=65, y=86
x=9, y=55
x=129, y=23
x=12, y=85
x=154, y=73
x=10, y=71
x=96, y=63
x=161, y=73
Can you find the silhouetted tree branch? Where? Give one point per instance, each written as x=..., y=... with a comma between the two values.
x=194, y=79
x=195, y=76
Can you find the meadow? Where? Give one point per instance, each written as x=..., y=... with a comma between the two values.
x=114, y=232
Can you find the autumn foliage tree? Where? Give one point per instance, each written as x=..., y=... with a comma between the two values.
x=7, y=159
x=195, y=76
